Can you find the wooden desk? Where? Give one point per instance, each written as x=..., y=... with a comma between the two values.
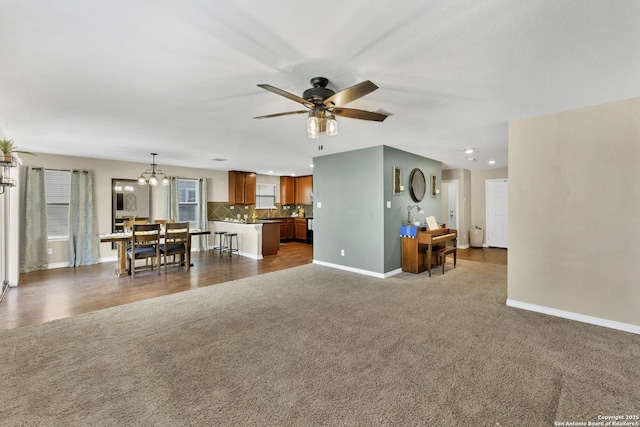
x=122, y=239
x=418, y=252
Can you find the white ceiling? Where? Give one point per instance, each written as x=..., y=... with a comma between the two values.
x=120, y=79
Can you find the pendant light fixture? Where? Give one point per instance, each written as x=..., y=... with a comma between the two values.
x=150, y=177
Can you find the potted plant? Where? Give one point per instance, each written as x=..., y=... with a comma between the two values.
x=7, y=147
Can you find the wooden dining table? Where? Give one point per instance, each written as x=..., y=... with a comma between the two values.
x=122, y=239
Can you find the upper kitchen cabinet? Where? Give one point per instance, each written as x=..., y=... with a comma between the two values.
x=296, y=190
x=304, y=190
x=287, y=190
x=242, y=188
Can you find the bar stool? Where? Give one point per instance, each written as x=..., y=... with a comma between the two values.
x=219, y=235
x=228, y=244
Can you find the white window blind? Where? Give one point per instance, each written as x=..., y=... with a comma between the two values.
x=188, y=201
x=57, y=186
x=265, y=196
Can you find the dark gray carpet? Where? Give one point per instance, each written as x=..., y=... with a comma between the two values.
x=318, y=346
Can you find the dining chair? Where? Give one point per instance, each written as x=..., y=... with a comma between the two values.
x=145, y=244
x=176, y=243
x=129, y=223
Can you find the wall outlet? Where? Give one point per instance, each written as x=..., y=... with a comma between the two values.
x=388, y=204
x=232, y=207
x=319, y=205
x=341, y=252
x=50, y=251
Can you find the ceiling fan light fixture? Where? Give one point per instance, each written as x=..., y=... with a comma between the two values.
x=332, y=125
x=313, y=124
x=325, y=104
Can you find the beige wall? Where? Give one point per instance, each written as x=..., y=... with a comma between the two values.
x=574, y=213
x=105, y=170
x=479, y=194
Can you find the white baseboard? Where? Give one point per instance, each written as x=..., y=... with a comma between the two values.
x=248, y=255
x=57, y=265
x=626, y=327
x=66, y=263
x=359, y=270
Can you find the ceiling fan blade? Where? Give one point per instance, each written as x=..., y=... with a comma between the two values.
x=282, y=114
x=350, y=94
x=287, y=95
x=352, y=113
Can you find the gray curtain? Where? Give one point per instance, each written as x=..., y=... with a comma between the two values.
x=33, y=221
x=171, y=207
x=202, y=214
x=83, y=220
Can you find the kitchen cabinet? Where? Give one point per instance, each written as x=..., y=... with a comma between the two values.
x=300, y=232
x=304, y=189
x=287, y=190
x=270, y=238
x=287, y=229
x=242, y=188
x=296, y=190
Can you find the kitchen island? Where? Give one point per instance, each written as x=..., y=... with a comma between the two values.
x=255, y=240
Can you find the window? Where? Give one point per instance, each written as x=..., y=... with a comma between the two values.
x=188, y=201
x=57, y=186
x=265, y=196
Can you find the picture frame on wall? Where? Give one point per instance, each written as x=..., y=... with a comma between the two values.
x=434, y=185
x=397, y=181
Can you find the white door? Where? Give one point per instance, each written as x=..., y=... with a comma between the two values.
x=497, y=220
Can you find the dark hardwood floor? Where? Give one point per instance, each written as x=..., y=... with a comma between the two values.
x=64, y=292
x=488, y=255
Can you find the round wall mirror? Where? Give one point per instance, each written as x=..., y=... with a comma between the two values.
x=417, y=185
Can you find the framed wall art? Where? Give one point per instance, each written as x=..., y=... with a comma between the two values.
x=397, y=181
x=434, y=185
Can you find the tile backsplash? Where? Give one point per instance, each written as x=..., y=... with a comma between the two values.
x=222, y=210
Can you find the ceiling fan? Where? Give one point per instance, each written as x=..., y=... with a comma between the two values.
x=323, y=104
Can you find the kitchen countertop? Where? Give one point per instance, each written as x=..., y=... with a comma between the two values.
x=258, y=221
x=262, y=221
x=291, y=217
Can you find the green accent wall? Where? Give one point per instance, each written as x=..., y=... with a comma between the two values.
x=353, y=189
x=397, y=215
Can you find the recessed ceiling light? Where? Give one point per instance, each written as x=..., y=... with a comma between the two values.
x=472, y=159
x=492, y=162
x=311, y=165
x=270, y=172
x=469, y=150
x=293, y=174
x=217, y=159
